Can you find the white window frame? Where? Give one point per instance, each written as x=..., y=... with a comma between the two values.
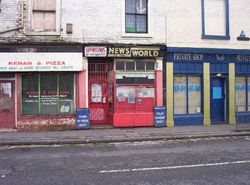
x=136, y=35
x=31, y=31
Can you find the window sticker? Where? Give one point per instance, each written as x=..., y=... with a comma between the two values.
x=217, y=93
x=131, y=98
x=96, y=93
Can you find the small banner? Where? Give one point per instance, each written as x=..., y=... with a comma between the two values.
x=82, y=118
x=160, y=116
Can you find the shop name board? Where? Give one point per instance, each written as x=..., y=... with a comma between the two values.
x=197, y=57
x=95, y=51
x=134, y=52
x=243, y=58
x=41, y=62
x=188, y=56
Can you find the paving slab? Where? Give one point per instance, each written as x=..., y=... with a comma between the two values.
x=106, y=135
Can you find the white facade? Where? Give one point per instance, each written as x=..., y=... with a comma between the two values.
x=98, y=21
x=184, y=24
x=94, y=21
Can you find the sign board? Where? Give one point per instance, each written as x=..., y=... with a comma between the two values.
x=95, y=51
x=202, y=57
x=41, y=62
x=139, y=52
x=124, y=51
x=82, y=118
x=160, y=116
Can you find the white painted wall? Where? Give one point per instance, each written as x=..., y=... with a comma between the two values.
x=99, y=21
x=184, y=25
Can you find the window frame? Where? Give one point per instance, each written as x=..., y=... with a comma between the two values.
x=145, y=61
x=39, y=95
x=247, y=84
x=216, y=37
x=33, y=32
x=137, y=14
x=187, y=93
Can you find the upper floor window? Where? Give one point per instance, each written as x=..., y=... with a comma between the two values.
x=215, y=19
x=44, y=15
x=136, y=16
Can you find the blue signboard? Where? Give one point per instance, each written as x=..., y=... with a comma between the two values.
x=82, y=118
x=160, y=116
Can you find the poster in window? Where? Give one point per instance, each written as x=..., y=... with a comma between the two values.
x=194, y=95
x=144, y=92
x=30, y=94
x=121, y=97
x=180, y=95
x=240, y=92
x=96, y=93
x=6, y=102
x=131, y=98
x=66, y=94
x=49, y=94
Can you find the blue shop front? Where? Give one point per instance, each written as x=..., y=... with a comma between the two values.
x=206, y=86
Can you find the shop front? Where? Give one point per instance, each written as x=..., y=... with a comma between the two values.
x=205, y=86
x=125, y=84
x=40, y=83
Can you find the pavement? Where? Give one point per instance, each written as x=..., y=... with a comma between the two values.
x=110, y=134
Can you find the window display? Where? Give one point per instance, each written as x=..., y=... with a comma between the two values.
x=42, y=98
x=180, y=95
x=240, y=92
x=187, y=94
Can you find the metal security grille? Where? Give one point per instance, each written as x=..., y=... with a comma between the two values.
x=242, y=117
x=99, y=71
x=100, y=75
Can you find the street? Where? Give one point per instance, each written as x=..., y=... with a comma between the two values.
x=190, y=161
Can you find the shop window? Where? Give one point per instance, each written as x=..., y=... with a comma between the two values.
x=140, y=66
x=42, y=98
x=136, y=16
x=150, y=66
x=242, y=93
x=130, y=66
x=44, y=15
x=187, y=94
x=120, y=65
x=135, y=65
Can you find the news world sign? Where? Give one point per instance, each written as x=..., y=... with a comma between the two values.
x=11, y=62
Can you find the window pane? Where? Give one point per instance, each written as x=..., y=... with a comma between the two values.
x=130, y=66
x=248, y=91
x=120, y=65
x=240, y=92
x=44, y=4
x=49, y=97
x=150, y=65
x=30, y=94
x=130, y=6
x=38, y=20
x=180, y=95
x=141, y=6
x=141, y=23
x=140, y=66
x=194, y=95
x=66, y=94
x=130, y=24
x=50, y=20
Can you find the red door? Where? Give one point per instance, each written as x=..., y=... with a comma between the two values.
x=98, y=92
x=7, y=104
x=98, y=103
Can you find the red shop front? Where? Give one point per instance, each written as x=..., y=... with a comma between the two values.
x=125, y=84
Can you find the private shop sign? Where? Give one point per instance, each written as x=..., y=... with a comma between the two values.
x=41, y=62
